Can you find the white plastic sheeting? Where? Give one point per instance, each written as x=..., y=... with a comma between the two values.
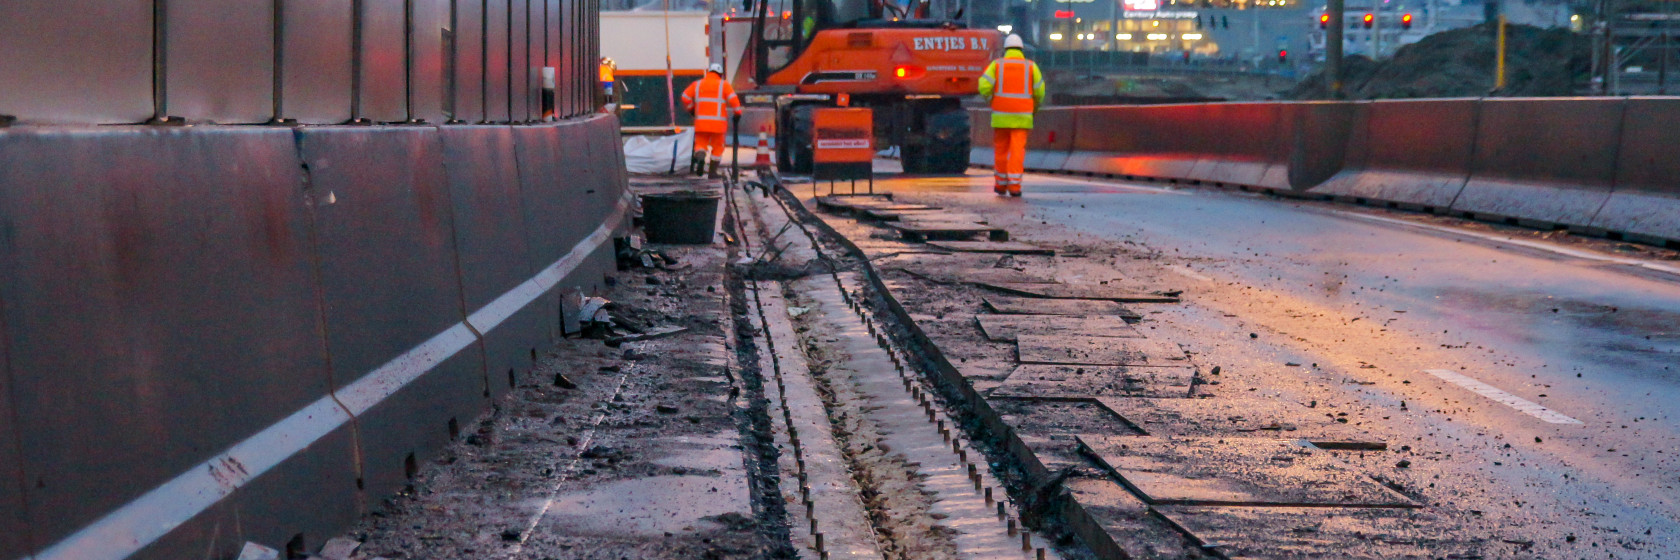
x=659, y=155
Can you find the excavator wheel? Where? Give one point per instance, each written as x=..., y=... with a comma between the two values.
x=944, y=142
x=948, y=135
x=794, y=137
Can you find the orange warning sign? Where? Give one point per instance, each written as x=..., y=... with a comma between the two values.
x=843, y=136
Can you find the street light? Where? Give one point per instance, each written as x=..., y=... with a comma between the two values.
x=1006, y=28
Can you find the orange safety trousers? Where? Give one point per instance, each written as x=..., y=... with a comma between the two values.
x=1009, y=148
x=709, y=142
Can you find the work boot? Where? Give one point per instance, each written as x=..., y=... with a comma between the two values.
x=1015, y=189
x=712, y=172
x=999, y=188
x=697, y=164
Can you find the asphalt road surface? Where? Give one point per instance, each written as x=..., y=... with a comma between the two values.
x=1529, y=378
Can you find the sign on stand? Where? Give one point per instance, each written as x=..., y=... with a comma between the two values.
x=843, y=147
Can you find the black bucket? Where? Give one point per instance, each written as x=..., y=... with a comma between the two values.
x=682, y=217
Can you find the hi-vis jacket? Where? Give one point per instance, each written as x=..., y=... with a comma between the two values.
x=1016, y=89
x=711, y=98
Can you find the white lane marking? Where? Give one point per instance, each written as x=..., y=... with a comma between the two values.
x=587, y=440
x=1187, y=273
x=1565, y=251
x=137, y=524
x=1522, y=405
x=1125, y=186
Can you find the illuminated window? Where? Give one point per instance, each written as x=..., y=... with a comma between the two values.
x=1192, y=36
x=1124, y=36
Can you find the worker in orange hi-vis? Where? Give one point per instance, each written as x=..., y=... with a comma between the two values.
x=1016, y=89
x=710, y=99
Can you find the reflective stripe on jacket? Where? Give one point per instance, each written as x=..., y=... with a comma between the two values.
x=1015, y=88
x=711, y=98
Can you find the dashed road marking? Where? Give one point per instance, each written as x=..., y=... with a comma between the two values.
x=1522, y=405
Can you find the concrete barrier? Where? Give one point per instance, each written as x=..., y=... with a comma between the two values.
x=491, y=238
x=1238, y=143
x=191, y=322
x=1140, y=141
x=1415, y=154
x=386, y=222
x=1315, y=137
x=1645, y=204
x=1051, y=139
x=1542, y=162
x=260, y=351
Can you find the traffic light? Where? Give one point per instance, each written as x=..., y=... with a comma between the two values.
x=1406, y=21
x=1369, y=20
x=1224, y=22
x=1324, y=21
x=1283, y=56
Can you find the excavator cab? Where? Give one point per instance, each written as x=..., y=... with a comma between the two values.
x=911, y=63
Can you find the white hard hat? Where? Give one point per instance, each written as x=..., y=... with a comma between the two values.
x=1013, y=41
x=715, y=68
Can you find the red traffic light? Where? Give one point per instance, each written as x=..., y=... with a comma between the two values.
x=1369, y=20
x=1324, y=21
x=1406, y=21
x=1064, y=14
x=1283, y=56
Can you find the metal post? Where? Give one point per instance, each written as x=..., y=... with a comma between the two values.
x=1499, y=64
x=1662, y=67
x=1333, y=47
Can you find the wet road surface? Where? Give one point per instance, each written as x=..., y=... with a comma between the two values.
x=1532, y=383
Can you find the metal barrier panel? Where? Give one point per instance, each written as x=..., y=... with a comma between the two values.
x=1645, y=204
x=496, y=61
x=554, y=49
x=519, y=61
x=1137, y=141
x=220, y=60
x=1543, y=160
x=535, y=59
x=385, y=241
x=383, y=85
x=81, y=65
x=490, y=236
x=191, y=324
x=315, y=61
x=1414, y=153
x=427, y=86
x=469, y=61
x=1238, y=142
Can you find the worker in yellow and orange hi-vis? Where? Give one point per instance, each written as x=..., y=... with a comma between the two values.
x=1016, y=89
x=710, y=99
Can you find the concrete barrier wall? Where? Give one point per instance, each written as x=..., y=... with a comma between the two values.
x=1548, y=162
x=1645, y=203
x=1412, y=153
x=1596, y=166
x=201, y=354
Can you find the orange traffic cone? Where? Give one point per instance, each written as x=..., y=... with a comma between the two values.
x=762, y=159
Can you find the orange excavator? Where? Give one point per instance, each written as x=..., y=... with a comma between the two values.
x=911, y=64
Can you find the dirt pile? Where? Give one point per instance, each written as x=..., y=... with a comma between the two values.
x=1460, y=63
